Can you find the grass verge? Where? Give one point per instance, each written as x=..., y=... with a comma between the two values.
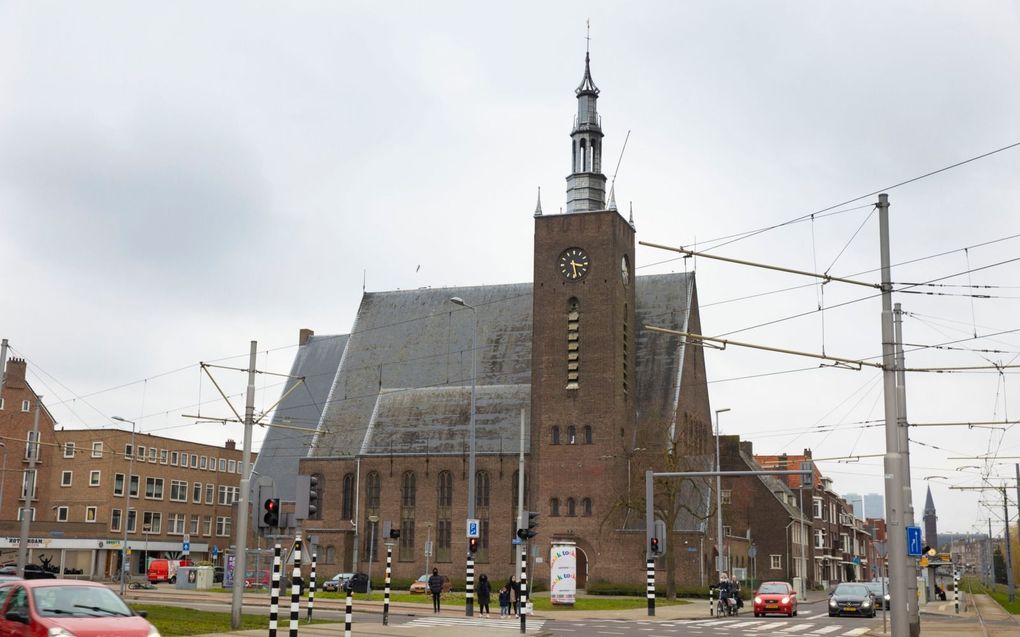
x=173, y=621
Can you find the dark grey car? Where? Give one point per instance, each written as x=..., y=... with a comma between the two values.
x=851, y=599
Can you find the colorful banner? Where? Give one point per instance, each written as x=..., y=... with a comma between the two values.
x=563, y=573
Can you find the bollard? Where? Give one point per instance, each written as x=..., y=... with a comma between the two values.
x=311, y=587
x=386, y=594
x=650, y=587
x=469, y=594
x=274, y=593
x=348, y=613
x=522, y=599
x=956, y=590
x=295, y=589
x=711, y=601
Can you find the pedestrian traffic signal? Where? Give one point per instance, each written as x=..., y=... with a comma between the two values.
x=655, y=546
x=313, y=496
x=272, y=516
x=472, y=545
x=530, y=532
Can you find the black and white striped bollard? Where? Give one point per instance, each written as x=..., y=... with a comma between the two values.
x=956, y=590
x=469, y=589
x=348, y=612
x=711, y=601
x=650, y=587
x=311, y=587
x=386, y=590
x=274, y=593
x=522, y=599
x=295, y=589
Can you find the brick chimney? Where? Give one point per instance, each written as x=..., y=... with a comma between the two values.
x=304, y=335
x=16, y=368
x=231, y=445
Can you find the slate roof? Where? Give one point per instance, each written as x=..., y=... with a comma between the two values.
x=404, y=381
x=317, y=361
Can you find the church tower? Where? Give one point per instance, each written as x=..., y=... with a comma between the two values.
x=583, y=348
x=931, y=529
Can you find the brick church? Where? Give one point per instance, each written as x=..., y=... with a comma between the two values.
x=384, y=420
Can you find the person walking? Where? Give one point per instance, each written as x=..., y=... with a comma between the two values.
x=515, y=592
x=484, y=591
x=436, y=588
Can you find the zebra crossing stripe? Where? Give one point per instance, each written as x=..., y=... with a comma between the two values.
x=825, y=630
x=855, y=632
x=796, y=628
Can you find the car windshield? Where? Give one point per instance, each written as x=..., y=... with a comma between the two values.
x=80, y=601
x=876, y=587
x=772, y=589
x=853, y=590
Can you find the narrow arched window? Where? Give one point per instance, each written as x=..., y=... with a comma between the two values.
x=584, y=155
x=482, y=489
x=445, y=489
x=586, y=507
x=347, y=506
x=571, y=435
x=555, y=435
x=408, y=489
x=372, y=491
x=571, y=507
x=587, y=434
x=554, y=507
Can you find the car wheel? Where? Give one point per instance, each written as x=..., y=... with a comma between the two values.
x=832, y=614
x=757, y=614
x=794, y=612
x=173, y=580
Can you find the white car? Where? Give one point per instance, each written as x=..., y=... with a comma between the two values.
x=336, y=583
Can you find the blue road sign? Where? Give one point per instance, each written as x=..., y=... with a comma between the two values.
x=215, y=551
x=186, y=546
x=914, y=541
x=472, y=528
x=516, y=541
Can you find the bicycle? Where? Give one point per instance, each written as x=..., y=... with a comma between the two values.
x=146, y=585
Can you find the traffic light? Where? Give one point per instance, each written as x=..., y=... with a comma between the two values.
x=528, y=533
x=654, y=546
x=272, y=508
x=473, y=545
x=306, y=497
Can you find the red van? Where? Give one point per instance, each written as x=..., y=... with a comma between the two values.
x=165, y=570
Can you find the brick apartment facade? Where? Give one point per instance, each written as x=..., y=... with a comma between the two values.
x=176, y=488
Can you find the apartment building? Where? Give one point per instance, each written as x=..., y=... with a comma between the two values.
x=96, y=484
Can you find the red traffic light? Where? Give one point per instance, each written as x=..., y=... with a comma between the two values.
x=272, y=516
x=655, y=545
x=473, y=544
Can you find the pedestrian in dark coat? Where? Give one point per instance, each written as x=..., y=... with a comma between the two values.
x=484, y=592
x=436, y=588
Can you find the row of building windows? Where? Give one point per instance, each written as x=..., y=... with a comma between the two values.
x=181, y=459
x=570, y=507
x=26, y=405
x=571, y=435
x=409, y=491
x=152, y=522
x=155, y=488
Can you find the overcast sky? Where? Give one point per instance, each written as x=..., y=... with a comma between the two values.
x=177, y=179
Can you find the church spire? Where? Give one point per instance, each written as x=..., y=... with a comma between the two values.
x=538, y=206
x=586, y=185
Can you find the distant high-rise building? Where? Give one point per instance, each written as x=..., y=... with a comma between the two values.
x=874, y=506
x=856, y=500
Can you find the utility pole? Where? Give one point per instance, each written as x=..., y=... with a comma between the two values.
x=908, y=499
x=30, y=485
x=521, y=517
x=1009, y=549
x=241, y=541
x=894, y=461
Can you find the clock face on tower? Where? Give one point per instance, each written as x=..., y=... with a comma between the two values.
x=574, y=263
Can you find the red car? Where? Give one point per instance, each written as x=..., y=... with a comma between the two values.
x=775, y=597
x=65, y=608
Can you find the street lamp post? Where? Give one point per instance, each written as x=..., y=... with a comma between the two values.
x=469, y=602
x=373, y=519
x=718, y=496
x=127, y=506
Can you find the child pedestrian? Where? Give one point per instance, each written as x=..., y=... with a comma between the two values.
x=504, y=602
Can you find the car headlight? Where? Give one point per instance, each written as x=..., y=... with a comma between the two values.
x=57, y=631
x=757, y=600
x=866, y=602
x=833, y=603
x=786, y=600
x=887, y=597
x=153, y=631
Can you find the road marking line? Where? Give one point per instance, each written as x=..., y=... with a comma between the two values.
x=826, y=629
x=855, y=632
x=797, y=628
